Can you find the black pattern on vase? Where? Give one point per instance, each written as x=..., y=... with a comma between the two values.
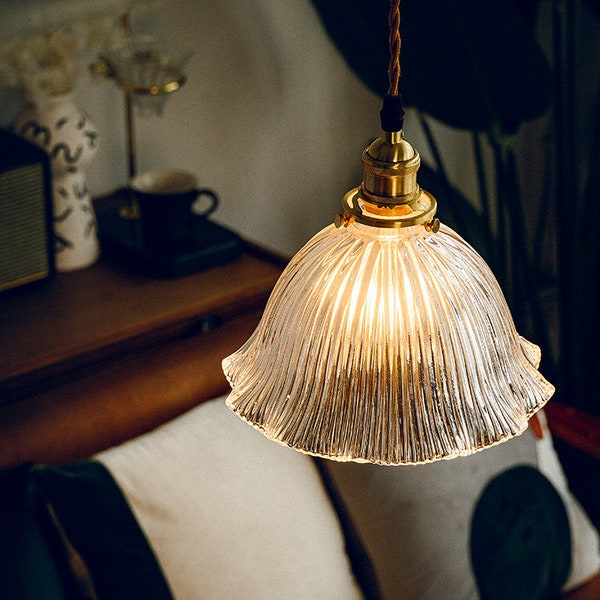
x=64, y=215
x=71, y=141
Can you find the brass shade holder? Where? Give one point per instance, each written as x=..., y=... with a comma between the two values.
x=389, y=195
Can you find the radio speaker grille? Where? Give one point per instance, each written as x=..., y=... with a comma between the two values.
x=24, y=255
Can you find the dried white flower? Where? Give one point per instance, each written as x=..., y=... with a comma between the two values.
x=49, y=63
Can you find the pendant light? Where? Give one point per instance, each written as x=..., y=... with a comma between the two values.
x=387, y=338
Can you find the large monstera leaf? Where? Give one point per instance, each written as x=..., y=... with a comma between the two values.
x=470, y=64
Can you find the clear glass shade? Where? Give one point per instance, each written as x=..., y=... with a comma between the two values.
x=387, y=345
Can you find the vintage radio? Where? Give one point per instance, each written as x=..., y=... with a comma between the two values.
x=26, y=243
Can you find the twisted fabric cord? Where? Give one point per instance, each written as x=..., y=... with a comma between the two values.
x=395, y=43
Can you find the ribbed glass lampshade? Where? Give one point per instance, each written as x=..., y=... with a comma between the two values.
x=393, y=346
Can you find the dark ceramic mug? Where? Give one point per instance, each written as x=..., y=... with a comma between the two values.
x=170, y=203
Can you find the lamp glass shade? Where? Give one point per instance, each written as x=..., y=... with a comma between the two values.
x=387, y=345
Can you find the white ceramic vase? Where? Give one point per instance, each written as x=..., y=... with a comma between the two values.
x=66, y=133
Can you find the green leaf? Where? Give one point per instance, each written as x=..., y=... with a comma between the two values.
x=470, y=64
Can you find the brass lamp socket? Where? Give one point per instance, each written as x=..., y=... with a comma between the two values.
x=389, y=195
x=390, y=166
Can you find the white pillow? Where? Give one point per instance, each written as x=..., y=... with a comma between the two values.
x=415, y=520
x=230, y=514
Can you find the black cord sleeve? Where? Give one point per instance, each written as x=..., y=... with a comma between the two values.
x=392, y=113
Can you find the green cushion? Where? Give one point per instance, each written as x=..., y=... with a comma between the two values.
x=100, y=536
x=67, y=533
x=28, y=568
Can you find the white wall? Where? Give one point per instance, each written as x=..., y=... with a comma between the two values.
x=270, y=116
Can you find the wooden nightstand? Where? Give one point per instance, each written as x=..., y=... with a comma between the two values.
x=118, y=351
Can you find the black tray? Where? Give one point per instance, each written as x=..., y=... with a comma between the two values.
x=209, y=245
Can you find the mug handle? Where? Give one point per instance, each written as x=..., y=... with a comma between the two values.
x=214, y=202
